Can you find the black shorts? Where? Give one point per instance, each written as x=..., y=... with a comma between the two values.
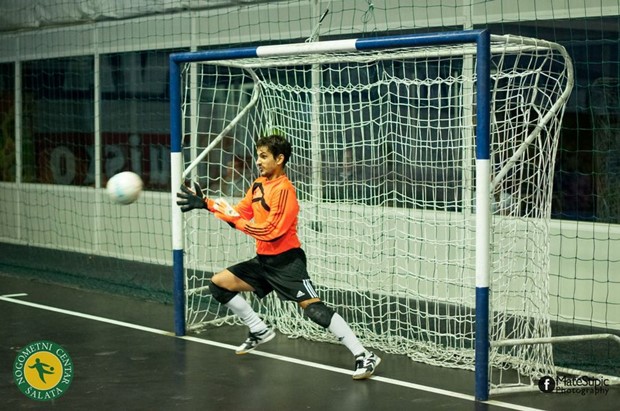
x=285, y=273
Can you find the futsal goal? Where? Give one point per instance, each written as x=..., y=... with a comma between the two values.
x=423, y=164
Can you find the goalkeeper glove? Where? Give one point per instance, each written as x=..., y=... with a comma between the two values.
x=189, y=200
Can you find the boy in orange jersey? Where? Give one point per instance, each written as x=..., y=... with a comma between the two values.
x=268, y=213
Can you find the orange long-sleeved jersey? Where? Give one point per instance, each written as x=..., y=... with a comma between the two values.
x=269, y=213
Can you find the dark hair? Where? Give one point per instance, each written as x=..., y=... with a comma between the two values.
x=276, y=144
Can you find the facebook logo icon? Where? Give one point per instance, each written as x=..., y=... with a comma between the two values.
x=546, y=384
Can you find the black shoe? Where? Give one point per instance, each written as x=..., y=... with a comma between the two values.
x=255, y=339
x=365, y=365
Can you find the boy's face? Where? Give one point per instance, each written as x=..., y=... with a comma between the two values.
x=268, y=166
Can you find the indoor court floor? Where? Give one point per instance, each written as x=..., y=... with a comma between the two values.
x=125, y=357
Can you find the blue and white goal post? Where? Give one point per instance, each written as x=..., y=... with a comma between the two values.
x=428, y=139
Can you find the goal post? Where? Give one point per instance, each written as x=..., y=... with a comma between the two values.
x=423, y=164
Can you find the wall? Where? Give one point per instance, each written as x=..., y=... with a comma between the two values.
x=43, y=215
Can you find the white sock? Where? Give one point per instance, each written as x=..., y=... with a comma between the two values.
x=339, y=327
x=242, y=309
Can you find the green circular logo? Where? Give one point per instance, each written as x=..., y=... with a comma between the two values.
x=43, y=370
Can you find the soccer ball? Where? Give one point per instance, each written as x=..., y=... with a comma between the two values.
x=124, y=188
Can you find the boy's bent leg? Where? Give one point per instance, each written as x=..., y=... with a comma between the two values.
x=228, y=281
x=259, y=332
x=365, y=361
x=221, y=295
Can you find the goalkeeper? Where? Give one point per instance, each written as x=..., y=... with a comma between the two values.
x=268, y=213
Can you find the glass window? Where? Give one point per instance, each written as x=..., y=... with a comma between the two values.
x=587, y=175
x=58, y=121
x=135, y=113
x=7, y=122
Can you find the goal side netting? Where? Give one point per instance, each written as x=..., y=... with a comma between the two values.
x=384, y=163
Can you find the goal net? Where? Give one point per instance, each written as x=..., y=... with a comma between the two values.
x=384, y=163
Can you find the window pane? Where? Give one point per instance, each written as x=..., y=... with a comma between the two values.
x=135, y=116
x=58, y=121
x=7, y=122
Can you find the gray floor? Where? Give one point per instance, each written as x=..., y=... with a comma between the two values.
x=120, y=365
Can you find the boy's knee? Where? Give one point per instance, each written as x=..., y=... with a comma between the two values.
x=222, y=295
x=319, y=313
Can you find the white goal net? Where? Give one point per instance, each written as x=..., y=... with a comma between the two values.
x=384, y=167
